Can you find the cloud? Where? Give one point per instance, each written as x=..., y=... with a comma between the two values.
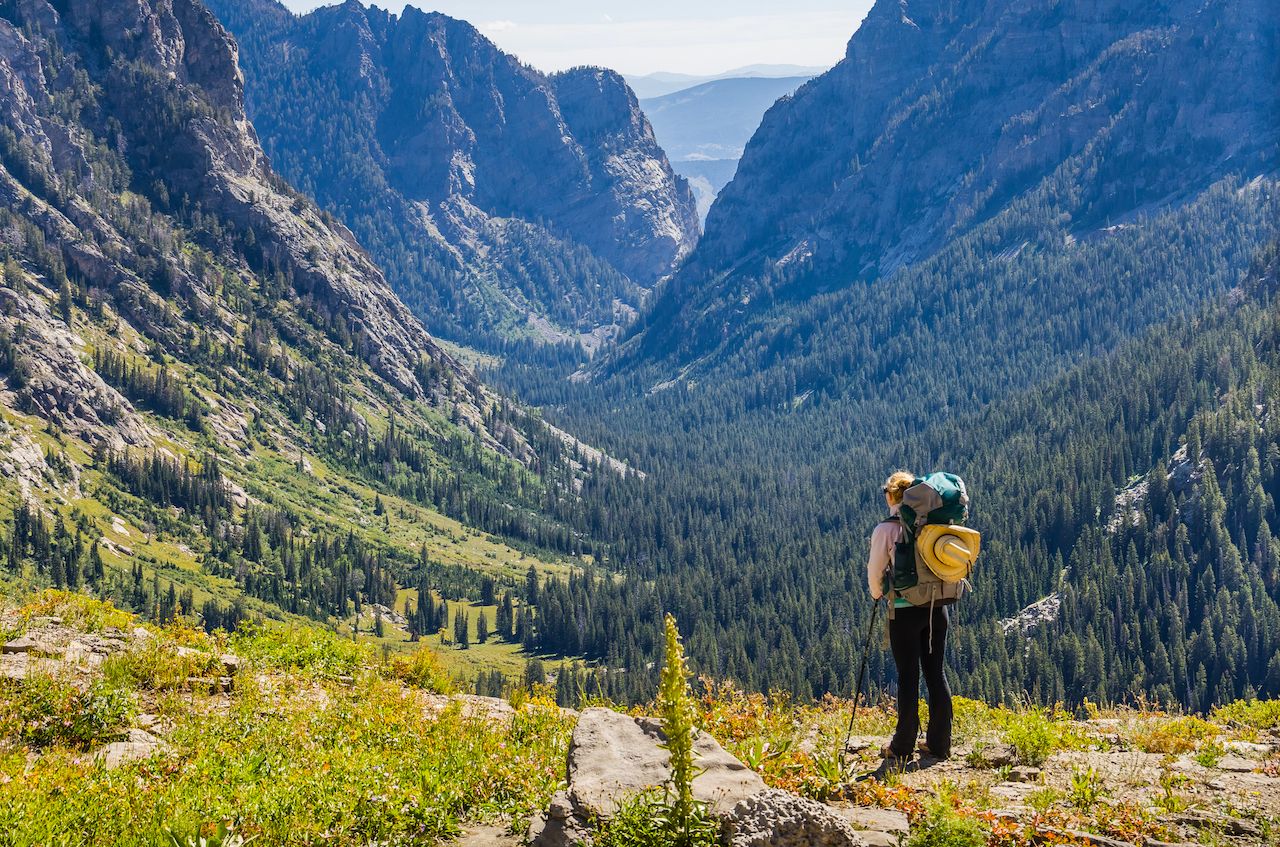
x=498, y=26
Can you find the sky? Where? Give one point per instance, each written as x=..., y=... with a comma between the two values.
x=702, y=38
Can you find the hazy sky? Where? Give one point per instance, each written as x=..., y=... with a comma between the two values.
x=701, y=37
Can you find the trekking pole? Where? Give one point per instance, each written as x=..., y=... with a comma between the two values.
x=862, y=673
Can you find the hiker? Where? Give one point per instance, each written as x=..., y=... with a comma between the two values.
x=917, y=637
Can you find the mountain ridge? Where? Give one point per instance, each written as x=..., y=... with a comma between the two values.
x=874, y=182
x=422, y=115
x=206, y=376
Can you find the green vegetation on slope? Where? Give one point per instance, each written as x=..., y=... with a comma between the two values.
x=317, y=740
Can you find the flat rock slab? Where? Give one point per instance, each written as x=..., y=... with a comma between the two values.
x=473, y=706
x=486, y=836
x=1232, y=763
x=861, y=818
x=138, y=745
x=32, y=647
x=614, y=757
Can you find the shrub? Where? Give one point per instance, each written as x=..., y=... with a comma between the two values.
x=421, y=669
x=1033, y=735
x=312, y=651
x=971, y=718
x=224, y=835
x=1087, y=789
x=78, y=611
x=635, y=824
x=1210, y=754
x=1173, y=736
x=1255, y=714
x=943, y=826
x=45, y=710
x=155, y=665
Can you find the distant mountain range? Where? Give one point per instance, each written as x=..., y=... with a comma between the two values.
x=504, y=204
x=648, y=86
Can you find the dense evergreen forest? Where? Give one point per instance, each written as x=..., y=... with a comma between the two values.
x=1164, y=566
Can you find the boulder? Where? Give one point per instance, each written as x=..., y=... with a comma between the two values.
x=996, y=756
x=13, y=667
x=136, y=746
x=32, y=646
x=548, y=831
x=613, y=757
x=1025, y=773
x=775, y=818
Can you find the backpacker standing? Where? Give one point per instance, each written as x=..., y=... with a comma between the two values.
x=917, y=637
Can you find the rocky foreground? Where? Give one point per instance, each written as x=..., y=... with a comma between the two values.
x=292, y=736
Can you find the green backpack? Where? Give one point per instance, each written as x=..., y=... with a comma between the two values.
x=938, y=500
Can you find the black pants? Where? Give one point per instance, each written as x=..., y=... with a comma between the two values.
x=909, y=637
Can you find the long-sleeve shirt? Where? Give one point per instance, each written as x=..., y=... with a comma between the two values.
x=883, y=540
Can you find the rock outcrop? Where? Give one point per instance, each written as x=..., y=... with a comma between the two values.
x=499, y=199
x=49, y=378
x=614, y=758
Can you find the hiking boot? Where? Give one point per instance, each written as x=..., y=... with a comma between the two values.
x=923, y=747
x=887, y=752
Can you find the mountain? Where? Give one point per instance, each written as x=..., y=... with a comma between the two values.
x=503, y=203
x=648, y=86
x=1010, y=125
x=714, y=120
x=704, y=129
x=205, y=382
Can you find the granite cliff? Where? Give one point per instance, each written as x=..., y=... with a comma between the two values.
x=503, y=202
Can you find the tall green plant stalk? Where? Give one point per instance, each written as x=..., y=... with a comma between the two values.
x=675, y=705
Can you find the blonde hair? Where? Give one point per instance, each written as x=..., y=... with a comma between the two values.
x=895, y=485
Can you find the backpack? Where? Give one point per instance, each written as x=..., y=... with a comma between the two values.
x=935, y=558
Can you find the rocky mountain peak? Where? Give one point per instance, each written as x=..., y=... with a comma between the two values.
x=525, y=203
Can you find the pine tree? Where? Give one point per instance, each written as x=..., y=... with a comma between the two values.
x=64, y=302
x=461, y=628
x=531, y=586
